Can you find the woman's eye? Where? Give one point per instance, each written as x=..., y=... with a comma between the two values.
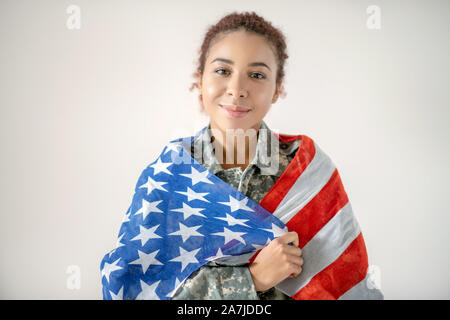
x=218, y=71
x=259, y=75
x=255, y=75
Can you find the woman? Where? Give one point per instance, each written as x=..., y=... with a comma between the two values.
x=240, y=75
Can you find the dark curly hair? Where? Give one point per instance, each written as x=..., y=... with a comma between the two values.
x=250, y=22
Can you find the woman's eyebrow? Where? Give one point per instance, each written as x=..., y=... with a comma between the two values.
x=253, y=64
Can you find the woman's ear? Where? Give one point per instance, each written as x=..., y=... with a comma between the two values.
x=275, y=97
x=199, y=87
x=200, y=97
x=199, y=81
x=277, y=92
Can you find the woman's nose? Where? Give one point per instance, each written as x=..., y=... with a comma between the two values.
x=237, y=89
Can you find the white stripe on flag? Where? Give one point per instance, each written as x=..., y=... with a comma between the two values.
x=362, y=291
x=317, y=174
x=234, y=261
x=324, y=248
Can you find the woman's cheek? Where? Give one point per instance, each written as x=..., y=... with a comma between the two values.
x=213, y=91
x=264, y=101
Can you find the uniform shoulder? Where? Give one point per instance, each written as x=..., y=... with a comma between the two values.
x=288, y=143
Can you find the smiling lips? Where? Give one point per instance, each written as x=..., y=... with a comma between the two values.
x=235, y=111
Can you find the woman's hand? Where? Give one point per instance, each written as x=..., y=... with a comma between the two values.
x=277, y=261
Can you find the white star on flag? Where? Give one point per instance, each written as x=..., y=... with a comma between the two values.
x=192, y=195
x=186, y=257
x=148, y=291
x=148, y=207
x=235, y=204
x=118, y=244
x=152, y=185
x=146, y=234
x=185, y=232
x=160, y=166
x=230, y=235
x=197, y=176
x=146, y=259
x=118, y=296
x=127, y=216
x=277, y=231
x=189, y=211
x=110, y=267
x=217, y=256
x=173, y=146
x=233, y=221
x=177, y=283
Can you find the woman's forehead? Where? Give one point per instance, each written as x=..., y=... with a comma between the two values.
x=242, y=46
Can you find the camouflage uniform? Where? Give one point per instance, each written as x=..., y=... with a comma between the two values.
x=216, y=281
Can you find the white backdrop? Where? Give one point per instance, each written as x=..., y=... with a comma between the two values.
x=84, y=111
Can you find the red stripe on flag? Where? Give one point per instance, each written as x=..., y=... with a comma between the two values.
x=302, y=159
x=287, y=137
x=343, y=274
x=250, y=261
x=319, y=210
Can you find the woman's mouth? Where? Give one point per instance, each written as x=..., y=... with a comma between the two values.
x=235, y=111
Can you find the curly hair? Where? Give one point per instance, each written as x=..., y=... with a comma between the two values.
x=250, y=22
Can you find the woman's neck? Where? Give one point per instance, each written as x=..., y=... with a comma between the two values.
x=234, y=147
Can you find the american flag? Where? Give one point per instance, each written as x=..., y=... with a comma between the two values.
x=182, y=217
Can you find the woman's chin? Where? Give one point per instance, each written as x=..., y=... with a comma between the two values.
x=235, y=124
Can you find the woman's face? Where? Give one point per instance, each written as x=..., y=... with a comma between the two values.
x=238, y=84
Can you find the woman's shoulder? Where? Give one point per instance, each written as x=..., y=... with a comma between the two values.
x=289, y=144
x=301, y=146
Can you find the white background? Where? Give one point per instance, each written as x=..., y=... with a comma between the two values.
x=83, y=112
